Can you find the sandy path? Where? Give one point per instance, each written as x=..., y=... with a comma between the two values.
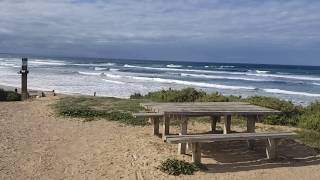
x=35, y=144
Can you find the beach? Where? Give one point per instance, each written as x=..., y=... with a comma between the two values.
x=123, y=77
x=38, y=144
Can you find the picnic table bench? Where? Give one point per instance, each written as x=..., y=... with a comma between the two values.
x=196, y=140
x=215, y=110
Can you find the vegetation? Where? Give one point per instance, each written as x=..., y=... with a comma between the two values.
x=289, y=115
x=176, y=167
x=90, y=108
x=9, y=96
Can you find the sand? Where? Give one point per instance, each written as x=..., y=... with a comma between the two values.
x=37, y=144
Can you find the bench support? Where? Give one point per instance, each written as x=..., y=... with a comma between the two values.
x=227, y=124
x=272, y=149
x=156, y=125
x=214, y=120
x=182, y=147
x=166, y=126
x=196, y=153
x=251, y=128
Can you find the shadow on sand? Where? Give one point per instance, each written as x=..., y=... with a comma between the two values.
x=235, y=156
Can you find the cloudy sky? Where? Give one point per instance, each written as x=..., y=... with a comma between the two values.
x=254, y=31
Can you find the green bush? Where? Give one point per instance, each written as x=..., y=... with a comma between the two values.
x=218, y=97
x=136, y=96
x=311, y=118
x=176, y=167
x=9, y=96
x=170, y=95
x=289, y=115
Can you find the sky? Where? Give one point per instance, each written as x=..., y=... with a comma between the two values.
x=235, y=31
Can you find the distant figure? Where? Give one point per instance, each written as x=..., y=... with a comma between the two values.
x=43, y=94
x=94, y=94
x=16, y=90
x=53, y=92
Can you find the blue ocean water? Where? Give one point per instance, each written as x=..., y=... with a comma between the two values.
x=121, y=78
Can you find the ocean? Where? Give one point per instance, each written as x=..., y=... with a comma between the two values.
x=121, y=78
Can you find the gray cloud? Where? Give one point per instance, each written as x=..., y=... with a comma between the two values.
x=54, y=25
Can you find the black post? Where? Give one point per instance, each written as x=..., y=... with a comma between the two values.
x=24, y=83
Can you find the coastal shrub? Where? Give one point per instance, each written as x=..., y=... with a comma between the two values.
x=171, y=95
x=176, y=167
x=310, y=137
x=310, y=119
x=112, y=109
x=218, y=97
x=136, y=96
x=289, y=115
x=9, y=96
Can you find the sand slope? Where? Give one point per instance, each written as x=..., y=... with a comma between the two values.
x=35, y=144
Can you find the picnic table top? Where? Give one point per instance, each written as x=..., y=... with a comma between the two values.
x=208, y=108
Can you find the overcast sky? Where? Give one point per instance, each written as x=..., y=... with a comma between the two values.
x=254, y=31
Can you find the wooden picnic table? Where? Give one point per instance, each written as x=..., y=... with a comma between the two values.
x=215, y=110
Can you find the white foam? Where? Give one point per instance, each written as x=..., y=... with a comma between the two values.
x=184, y=70
x=262, y=72
x=297, y=77
x=173, y=66
x=96, y=64
x=221, y=77
x=90, y=73
x=112, y=81
x=317, y=84
x=47, y=62
x=100, y=69
x=113, y=75
x=280, y=91
x=113, y=69
x=191, y=83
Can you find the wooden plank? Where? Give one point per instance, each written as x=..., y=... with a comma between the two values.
x=182, y=147
x=227, y=124
x=166, y=126
x=156, y=125
x=147, y=114
x=226, y=137
x=214, y=120
x=196, y=153
x=251, y=128
x=272, y=149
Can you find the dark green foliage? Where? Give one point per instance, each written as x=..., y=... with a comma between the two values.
x=185, y=95
x=176, y=167
x=9, y=96
x=113, y=109
x=311, y=118
x=218, y=97
x=170, y=95
x=136, y=96
x=289, y=115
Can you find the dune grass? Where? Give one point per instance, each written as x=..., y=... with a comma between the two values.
x=93, y=108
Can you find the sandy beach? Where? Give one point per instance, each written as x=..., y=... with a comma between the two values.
x=37, y=144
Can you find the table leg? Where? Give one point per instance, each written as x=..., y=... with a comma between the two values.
x=166, y=126
x=251, y=128
x=156, y=126
x=227, y=124
x=214, y=120
x=182, y=147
